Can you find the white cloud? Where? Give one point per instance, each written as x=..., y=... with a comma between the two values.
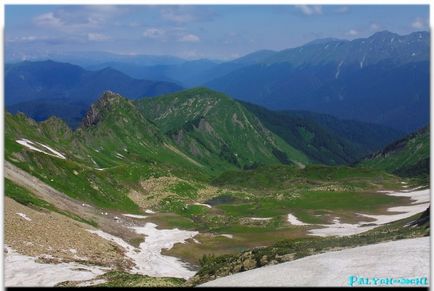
x=48, y=19
x=74, y=18
x=189, y=38
x=352, y=32
x=418, y=23
x=93, y=36
x=154, y=33
x=310, y=9
x=374, y=26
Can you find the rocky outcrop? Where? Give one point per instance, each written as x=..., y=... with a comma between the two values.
x=97, y=110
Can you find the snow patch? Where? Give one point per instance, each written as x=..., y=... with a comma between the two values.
x=24, y=216
x=24, y=271
x=149, y=211
x=260, y=218
x=294, y=220
x=202, y=204
x=338, y=69
x=362, y=62
x=120, y=156
x=31, y=145
x=148, y=258
x=388, y=259
x=135, y=216
x=421, y=201
x=227, y=235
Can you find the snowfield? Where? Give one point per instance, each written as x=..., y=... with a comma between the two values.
x=148, y=258
x=421, y=201
x=32, y=145
x=408, y=258
x=24, y=271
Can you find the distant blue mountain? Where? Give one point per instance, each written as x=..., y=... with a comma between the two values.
x=382, y=79
x=42, y=89
x=188, y=73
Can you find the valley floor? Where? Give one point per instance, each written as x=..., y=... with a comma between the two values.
x=45, y=248
x=408, y=258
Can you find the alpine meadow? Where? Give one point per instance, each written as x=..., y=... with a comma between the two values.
x=216, y=145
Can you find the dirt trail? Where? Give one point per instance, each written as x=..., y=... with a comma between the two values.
x=40, y=189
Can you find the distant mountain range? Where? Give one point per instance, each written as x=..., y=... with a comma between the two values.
x=211, y=131
x=382, y=79
x=46, y=88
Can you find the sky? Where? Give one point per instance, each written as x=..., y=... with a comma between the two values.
x=196, y=31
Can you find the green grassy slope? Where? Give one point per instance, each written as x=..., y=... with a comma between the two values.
x=105, y=159
x=408, y=157
x=326, y=139
x=217, y=130
x=117, y=147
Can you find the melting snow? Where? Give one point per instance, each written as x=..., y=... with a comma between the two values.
x=227, y=235
x=24, y=271
x=260, y=218
x=148, y=258
x=24, y=216
x=202, y=204
x=362, y=62
x=31, y=145
x=120, y=156
x=338, y=69
x=421, y=201
x=294, y=221
x=135, y=216
x=149, y=211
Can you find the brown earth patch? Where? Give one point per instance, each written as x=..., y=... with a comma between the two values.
x=57, y=238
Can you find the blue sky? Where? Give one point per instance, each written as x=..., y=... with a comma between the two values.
x=201, y=31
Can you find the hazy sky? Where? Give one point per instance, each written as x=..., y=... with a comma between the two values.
x=204, y=31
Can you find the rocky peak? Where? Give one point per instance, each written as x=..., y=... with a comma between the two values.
x=96, y=111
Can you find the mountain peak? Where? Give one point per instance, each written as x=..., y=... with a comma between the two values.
x=384, y=34
x=107, y=100
x=110, y=96
x=324, y=41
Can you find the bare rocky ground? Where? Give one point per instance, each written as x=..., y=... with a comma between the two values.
x=52, y=237
x=40, y=189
